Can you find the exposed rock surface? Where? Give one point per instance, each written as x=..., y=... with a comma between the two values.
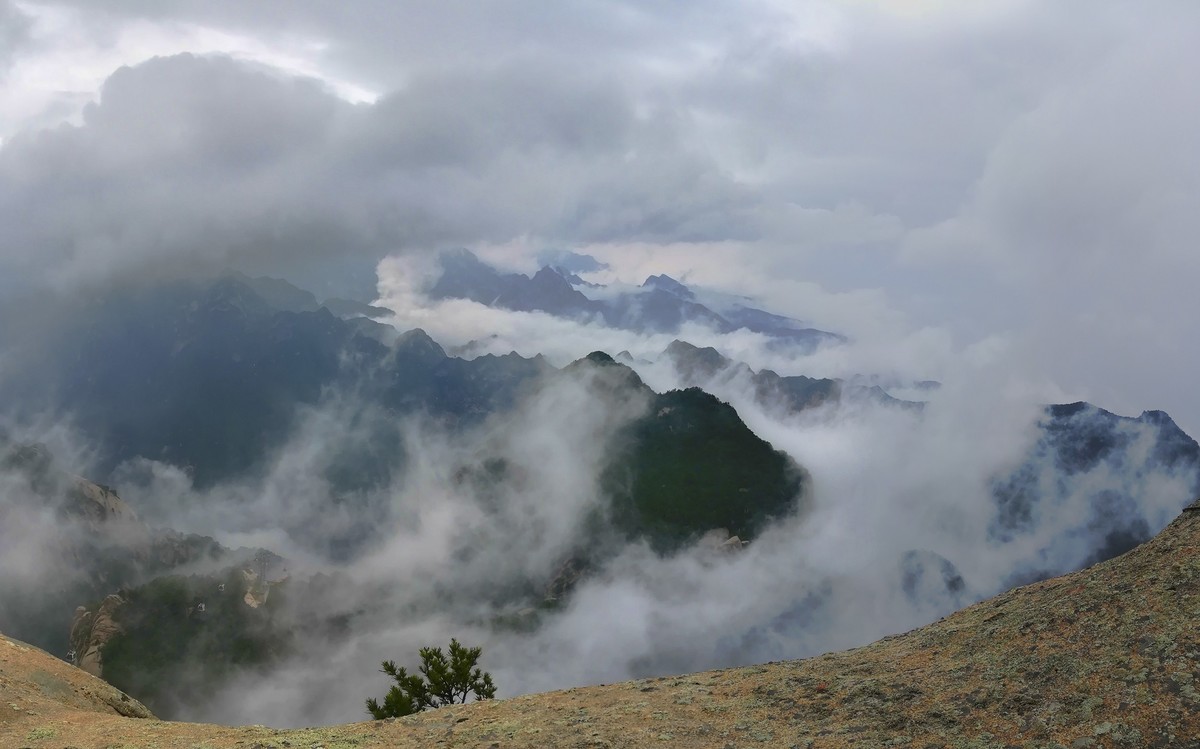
x=564, y=580
x=98, y=504
x=1106, y=657
x=91, y=631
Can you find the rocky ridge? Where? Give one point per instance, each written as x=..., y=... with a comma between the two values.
x=1106, y=657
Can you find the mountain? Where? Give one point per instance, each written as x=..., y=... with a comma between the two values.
x=570, y=262
x=1102, y=463
x=209, y=375
x=1105, y=657
x=1118, y=471
x=278, y=294
x=689, y=465
x=348, y=308
x=661, y=305
x=685, y=468
x=100, y=545
x=465, y=276
x=665, y=283
x=285, y=297
x=699, y=367
x=212, y=376
x=178, y=637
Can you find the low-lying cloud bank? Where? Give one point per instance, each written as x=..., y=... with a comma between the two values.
x=470, y=329
x=902, y=526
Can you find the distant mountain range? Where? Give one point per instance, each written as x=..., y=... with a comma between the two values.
x=661, y=305
x=1080, y=451
x=212, y=376
x=209, y=376
x=705, y=366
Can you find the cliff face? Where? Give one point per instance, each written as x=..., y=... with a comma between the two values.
x=1106, y=657
x=91, y=631
x=99, y=505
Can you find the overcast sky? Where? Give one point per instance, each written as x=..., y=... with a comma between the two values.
x=1014, y=178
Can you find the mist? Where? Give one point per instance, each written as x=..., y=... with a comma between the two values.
x=899, y=527
x=469, y=329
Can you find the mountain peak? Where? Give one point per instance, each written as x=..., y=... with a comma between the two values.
x=459, y=256
x=417, y=341
x=549, y=276
x=693, y=360
x=665, y=283
x=612, y=374
x=571, y=262
x=278, y=293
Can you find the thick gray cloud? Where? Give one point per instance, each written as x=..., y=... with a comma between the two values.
x=199, y=162
x=183, y=160
x=14, y=31
x=1000, y=169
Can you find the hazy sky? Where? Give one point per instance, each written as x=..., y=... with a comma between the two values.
x=1016, y=180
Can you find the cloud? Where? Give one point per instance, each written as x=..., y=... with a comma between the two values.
x=172, y=169
x=14, y=32
x=193, y=163
x=1080, y=210
x=641, y=143
x=458, y=547
x=463, y=529
x=1008, y=170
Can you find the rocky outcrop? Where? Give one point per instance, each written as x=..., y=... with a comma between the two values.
x=718, y=542
x=97, y=505
x=257, y=590
x=91, y=631
x=566, y=577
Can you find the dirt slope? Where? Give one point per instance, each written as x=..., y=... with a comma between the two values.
x=1106, y=657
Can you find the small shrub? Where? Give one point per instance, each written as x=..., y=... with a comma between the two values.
x=443, y=680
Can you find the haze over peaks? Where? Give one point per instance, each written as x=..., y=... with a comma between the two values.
x=608, y=512
x=660, y=305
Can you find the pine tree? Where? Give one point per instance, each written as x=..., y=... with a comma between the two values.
x=442, y=681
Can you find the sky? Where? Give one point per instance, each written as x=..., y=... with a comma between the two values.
x=1008, y=179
